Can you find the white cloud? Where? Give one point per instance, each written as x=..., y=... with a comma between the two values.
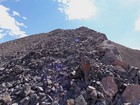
x=9, y=24
x=24, y=18
x=2, y=33
x=21, y=24
x=1, y=36
x=137, y=24
x=77, y=9
x=15, y=13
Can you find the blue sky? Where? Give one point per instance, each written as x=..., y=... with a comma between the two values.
x=118, y=19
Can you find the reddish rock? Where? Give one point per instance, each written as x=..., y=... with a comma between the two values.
x=110, y=87
x=121, y=64
x=85, y=68
x=132, y=94
x=85, y=64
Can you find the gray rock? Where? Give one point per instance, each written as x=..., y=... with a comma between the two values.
x=45, y=103
x=25, y=101
x=40, y=89
x=33, y=99
x=27, y=89
x=55, y=103
x=80, y=100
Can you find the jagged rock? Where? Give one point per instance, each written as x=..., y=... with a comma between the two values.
x=110, y=87
x=55, y=103
x=33, y=99
x=80, y=100
x=132, y=94
x=40, y=89
x=27, y=89
x=25, y=101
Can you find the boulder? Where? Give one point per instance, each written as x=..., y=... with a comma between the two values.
x=110, y=87
x=132, y=94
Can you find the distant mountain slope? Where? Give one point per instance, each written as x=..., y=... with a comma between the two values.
x=129, y=55
x=21, y=46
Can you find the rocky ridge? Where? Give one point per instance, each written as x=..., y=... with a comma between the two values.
x=66, y=67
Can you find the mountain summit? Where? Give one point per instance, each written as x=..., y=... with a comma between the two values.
x=68, y=67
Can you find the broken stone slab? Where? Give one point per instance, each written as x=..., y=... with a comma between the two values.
x=132, y=94
x=110, y=87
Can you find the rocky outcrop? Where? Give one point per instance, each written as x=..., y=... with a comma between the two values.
x=67, y=67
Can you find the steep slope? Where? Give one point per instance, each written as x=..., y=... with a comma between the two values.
x=22, y=46
x=66, y=67
x=129, y=55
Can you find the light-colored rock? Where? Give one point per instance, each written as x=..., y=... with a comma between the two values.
x=70, y=102
x=7, y=98
x=15, y=104
x=49, y=82
x=93, y=92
